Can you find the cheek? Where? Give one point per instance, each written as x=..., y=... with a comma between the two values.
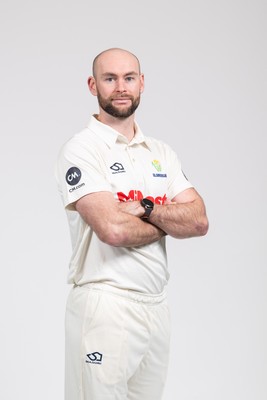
x=138, y=89
x=105, y=92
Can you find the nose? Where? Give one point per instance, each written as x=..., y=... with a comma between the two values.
x=120, y=87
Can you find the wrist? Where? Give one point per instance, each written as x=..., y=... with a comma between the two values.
x=148, y=207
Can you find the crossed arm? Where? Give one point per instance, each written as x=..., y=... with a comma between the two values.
x=119, y=223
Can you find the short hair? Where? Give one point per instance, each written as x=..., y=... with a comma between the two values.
x=108, y=50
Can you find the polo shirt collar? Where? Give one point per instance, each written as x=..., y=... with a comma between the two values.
x=111, y=136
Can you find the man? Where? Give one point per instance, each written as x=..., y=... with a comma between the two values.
x=123, y=193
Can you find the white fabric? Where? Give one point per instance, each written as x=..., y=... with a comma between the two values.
x=117, y=344
x=100, y=159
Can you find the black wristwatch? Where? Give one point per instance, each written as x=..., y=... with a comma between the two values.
x=148, y=206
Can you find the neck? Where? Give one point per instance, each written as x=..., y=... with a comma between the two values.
x=124, y=126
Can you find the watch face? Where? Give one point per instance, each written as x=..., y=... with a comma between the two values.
x=148, y=206
x=147, y=203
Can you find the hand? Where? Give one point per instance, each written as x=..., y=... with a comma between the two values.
x=132, y=208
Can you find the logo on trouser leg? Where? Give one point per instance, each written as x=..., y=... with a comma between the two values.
x=94, y=358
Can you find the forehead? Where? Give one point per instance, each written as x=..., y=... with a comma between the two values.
x=116, y=62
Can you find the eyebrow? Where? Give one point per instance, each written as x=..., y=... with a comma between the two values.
x=127, y=74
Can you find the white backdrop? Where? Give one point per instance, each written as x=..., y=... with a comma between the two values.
x=205, y=68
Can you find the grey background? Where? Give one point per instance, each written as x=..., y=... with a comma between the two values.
x=205, y=68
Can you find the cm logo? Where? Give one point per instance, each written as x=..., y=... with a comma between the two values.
x=73, y=176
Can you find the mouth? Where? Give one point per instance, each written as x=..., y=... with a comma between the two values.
x=121, y=100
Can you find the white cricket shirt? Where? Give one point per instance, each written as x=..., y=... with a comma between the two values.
x=101, y=159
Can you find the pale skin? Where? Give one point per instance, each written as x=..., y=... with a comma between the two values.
x=117, y=77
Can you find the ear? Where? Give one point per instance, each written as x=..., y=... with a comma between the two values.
x=92, y=85
x=142, y=83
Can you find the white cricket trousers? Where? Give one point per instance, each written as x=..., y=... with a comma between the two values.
x=117, y=344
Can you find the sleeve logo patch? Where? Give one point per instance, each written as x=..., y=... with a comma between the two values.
x=73, y=176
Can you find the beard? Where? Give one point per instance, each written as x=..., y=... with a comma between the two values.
x=122, y=113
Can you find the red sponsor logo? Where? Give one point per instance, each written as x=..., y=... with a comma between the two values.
x=137, y=195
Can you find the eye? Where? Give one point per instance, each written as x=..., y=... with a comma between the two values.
x=129, y=78
x=109, y=79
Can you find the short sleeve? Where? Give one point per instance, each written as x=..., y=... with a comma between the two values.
x=79, y=171
x=177, y=181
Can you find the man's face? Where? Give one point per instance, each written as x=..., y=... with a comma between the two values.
x=118, y=83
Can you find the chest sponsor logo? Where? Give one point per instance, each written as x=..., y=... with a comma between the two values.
x=117, y=168
x=138, y=195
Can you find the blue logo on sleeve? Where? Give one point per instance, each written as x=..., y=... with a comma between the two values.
x=73, y=176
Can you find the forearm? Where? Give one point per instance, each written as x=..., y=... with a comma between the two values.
x=119, y=224
x=182, y=220
x=133, y=231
